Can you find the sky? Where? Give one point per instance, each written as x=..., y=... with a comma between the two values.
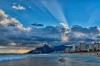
x=28, y=24
x=76, y=12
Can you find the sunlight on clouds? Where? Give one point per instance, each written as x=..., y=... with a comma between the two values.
x=78, y=34
x=9, y=49
x=5, y=20
x=64, y=38
x=14, y=34
x=12, y=44
x=99, y=29
x=18, y=51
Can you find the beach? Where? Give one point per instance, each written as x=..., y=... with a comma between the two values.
x=31, y=61
x=54, y=60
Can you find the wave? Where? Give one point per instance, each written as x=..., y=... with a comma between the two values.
x=16, y=57
x=12, y=57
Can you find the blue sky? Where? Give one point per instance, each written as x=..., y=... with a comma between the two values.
x=77, y=12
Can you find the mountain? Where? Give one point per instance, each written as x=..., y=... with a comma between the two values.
x=48, y=49
x=44, y=49
x=60, y=48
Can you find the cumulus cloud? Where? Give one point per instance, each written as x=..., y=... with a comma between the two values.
x=7, y=21
x=13, y=33
x=89, y=30
x=79, y=33
x=19, y=7
x=75, y=34
x=10, y=27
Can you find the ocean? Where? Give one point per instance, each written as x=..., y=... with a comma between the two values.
x=49, y=60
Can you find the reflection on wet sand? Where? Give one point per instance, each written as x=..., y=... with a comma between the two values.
x=32, y=62
x=51, y=61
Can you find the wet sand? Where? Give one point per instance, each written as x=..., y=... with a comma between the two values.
x=77, y=60
x=32, y=61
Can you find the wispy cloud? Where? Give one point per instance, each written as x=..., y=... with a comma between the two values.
x=94, y=16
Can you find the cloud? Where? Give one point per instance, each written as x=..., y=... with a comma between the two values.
x=37, y=25
x=14, y=3
x=13, y=33
x=43, y=38
x=19, y=7
x=10, y=27
x=90, y=30
x=7, y=21
x=79, y=33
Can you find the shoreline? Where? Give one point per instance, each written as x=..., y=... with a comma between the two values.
x=88, y=53
x=83, y=53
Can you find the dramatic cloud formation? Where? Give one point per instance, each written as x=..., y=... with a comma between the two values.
x=10, y=27
x=12, y=33
x=19, y=7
